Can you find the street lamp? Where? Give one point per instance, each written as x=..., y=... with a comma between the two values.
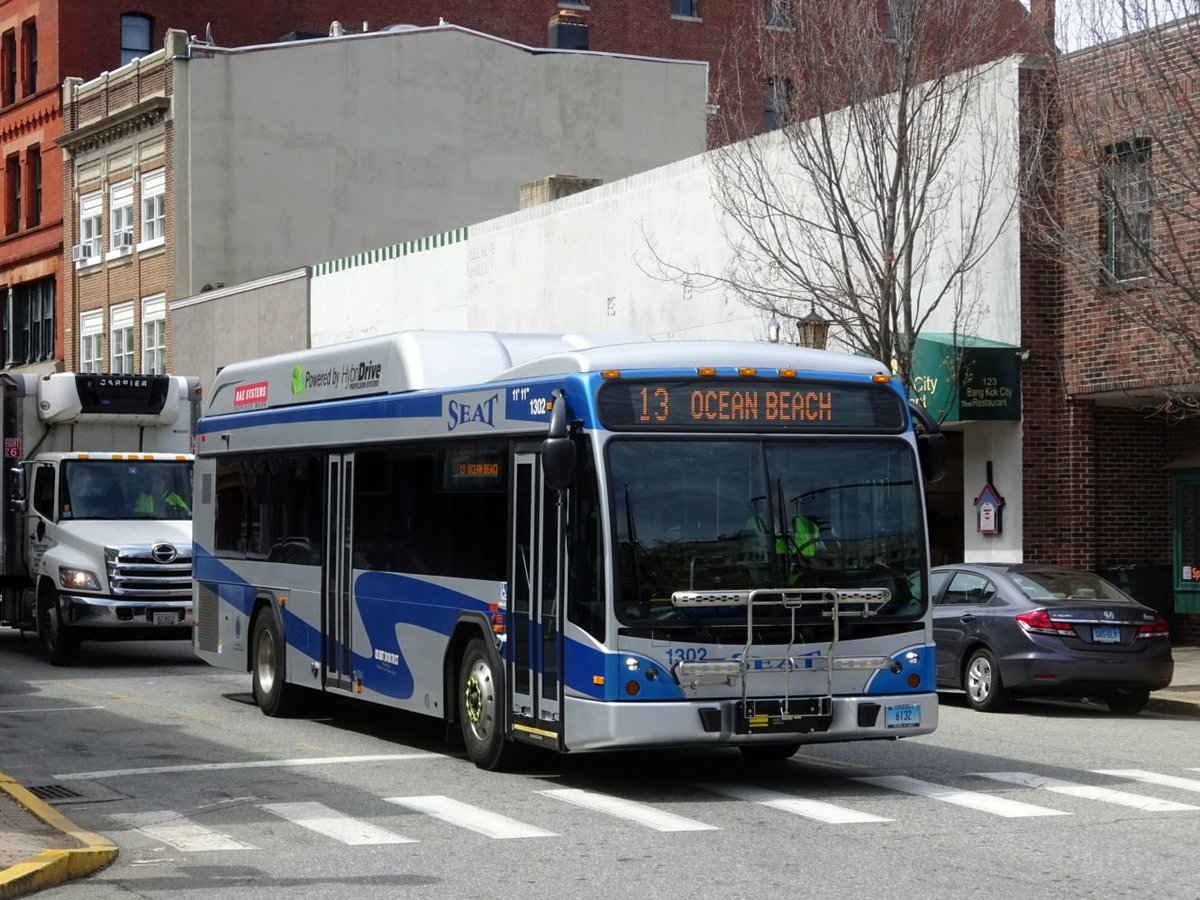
x=814, y=330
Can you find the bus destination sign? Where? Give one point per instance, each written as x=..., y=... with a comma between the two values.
x=744, y=405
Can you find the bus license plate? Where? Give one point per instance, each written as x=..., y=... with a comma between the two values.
x=166, y=618
x=1106, y=634
x=907, y=715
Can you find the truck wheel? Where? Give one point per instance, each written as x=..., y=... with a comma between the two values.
x=268, y=663
x=481, y=698
x=62, y=641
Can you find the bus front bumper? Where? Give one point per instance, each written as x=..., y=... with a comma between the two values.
x=597, y=725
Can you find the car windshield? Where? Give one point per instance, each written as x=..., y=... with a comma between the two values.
x=735, y=516
x=126, y=489
x=1058, y=585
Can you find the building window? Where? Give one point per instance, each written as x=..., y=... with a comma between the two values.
x=154, y=209
x=154, y=335
x=1128, y=199
x=779, y=13
x=120, y=217
x=136, y=32
x=33, y=180
x=120, y=339
x=778, y=103
x=91, y=341
x=29, y=57
x=12, y=193
x=689, y=8
x=29, y=322
x=91, y=209
x=8, y=67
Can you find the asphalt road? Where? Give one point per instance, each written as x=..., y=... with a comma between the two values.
x=204, y=795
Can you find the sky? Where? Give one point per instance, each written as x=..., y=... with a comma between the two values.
x=1081, y=23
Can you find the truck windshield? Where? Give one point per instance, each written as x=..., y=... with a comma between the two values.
x=734, y=516
x=126, y=489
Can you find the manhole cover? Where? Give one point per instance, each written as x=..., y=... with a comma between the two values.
x=54, y=792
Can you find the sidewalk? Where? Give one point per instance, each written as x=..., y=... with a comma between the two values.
x=40, y=848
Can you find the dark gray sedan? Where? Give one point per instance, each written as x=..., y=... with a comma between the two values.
x=1005, y=631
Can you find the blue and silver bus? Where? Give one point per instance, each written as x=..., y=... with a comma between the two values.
x=577, y=542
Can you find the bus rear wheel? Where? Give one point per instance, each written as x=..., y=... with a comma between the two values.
x=268, y=663
x=480, y=696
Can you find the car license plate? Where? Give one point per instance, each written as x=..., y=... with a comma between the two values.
x=166, y=618
x=1106, y=634
x=907, y=715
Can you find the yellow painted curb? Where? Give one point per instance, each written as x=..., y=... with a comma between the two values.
x=51, y=867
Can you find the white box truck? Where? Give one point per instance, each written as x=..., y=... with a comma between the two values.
x=96, y=530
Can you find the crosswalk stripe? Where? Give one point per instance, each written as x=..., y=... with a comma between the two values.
x=810, y=809
x=323, y=820
x=182, y=834
x=1182, y=784
x=470, y=817
x=1088, y=791
x=988, y=803
x=640, y=813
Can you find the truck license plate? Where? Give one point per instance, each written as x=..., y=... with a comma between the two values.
x=166, y=618
x=907, y=715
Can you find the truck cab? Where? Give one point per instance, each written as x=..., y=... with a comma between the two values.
x=97, y=524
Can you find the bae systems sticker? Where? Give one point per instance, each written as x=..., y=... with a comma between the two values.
x=250, y=396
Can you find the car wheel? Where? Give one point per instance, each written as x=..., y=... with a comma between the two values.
x=268, y=663
x=62, y=641
x=769, y=752
x=1128, y=703
x=481, y=713
x=981, y=680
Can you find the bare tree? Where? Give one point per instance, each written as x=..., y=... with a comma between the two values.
x=887, y=176
x=1128, y=177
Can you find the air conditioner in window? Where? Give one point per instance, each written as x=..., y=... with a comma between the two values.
x=123, y=240
x=80, y=252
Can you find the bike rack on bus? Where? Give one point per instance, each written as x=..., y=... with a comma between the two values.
x=807, y=712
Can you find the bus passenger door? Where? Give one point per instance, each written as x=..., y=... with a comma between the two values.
x=535, y=606
x=338, y=622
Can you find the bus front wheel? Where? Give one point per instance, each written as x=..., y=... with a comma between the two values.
x=268, y=662
x=480, y=697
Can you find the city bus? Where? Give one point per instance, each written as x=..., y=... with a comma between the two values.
x=580, y=543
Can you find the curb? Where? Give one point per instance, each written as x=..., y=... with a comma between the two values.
x=52, y=867
x=1173, y=706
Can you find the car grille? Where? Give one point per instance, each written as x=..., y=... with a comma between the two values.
x=150, y=571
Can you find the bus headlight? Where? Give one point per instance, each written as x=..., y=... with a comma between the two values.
x=78, y=579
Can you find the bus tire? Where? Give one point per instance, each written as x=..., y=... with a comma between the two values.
x=268, y=666
x=981, y=680
x=769, y=752
x=481, y=698
x=62, y=641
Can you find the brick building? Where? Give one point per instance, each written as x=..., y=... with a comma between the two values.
x=1114, y=420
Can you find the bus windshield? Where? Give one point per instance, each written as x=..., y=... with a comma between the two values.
x=739, y=515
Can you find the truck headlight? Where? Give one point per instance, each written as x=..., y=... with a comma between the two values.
x=78, y=579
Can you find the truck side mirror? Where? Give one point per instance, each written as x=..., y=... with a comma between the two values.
x=16, y=489
x=558, y=450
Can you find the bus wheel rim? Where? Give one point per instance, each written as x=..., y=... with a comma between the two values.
x=479, y=700
x=266, y=662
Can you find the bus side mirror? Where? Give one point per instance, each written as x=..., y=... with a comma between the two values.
x=931, y=449
x=931, y=444
x=558, y=450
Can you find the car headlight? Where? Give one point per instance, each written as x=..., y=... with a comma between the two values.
x=78, y=579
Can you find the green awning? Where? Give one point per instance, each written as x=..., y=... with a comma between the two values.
x=960, y=378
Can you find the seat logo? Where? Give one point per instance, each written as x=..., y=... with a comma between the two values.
x=164, y=553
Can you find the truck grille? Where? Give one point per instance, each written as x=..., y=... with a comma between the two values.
x=155, y=571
